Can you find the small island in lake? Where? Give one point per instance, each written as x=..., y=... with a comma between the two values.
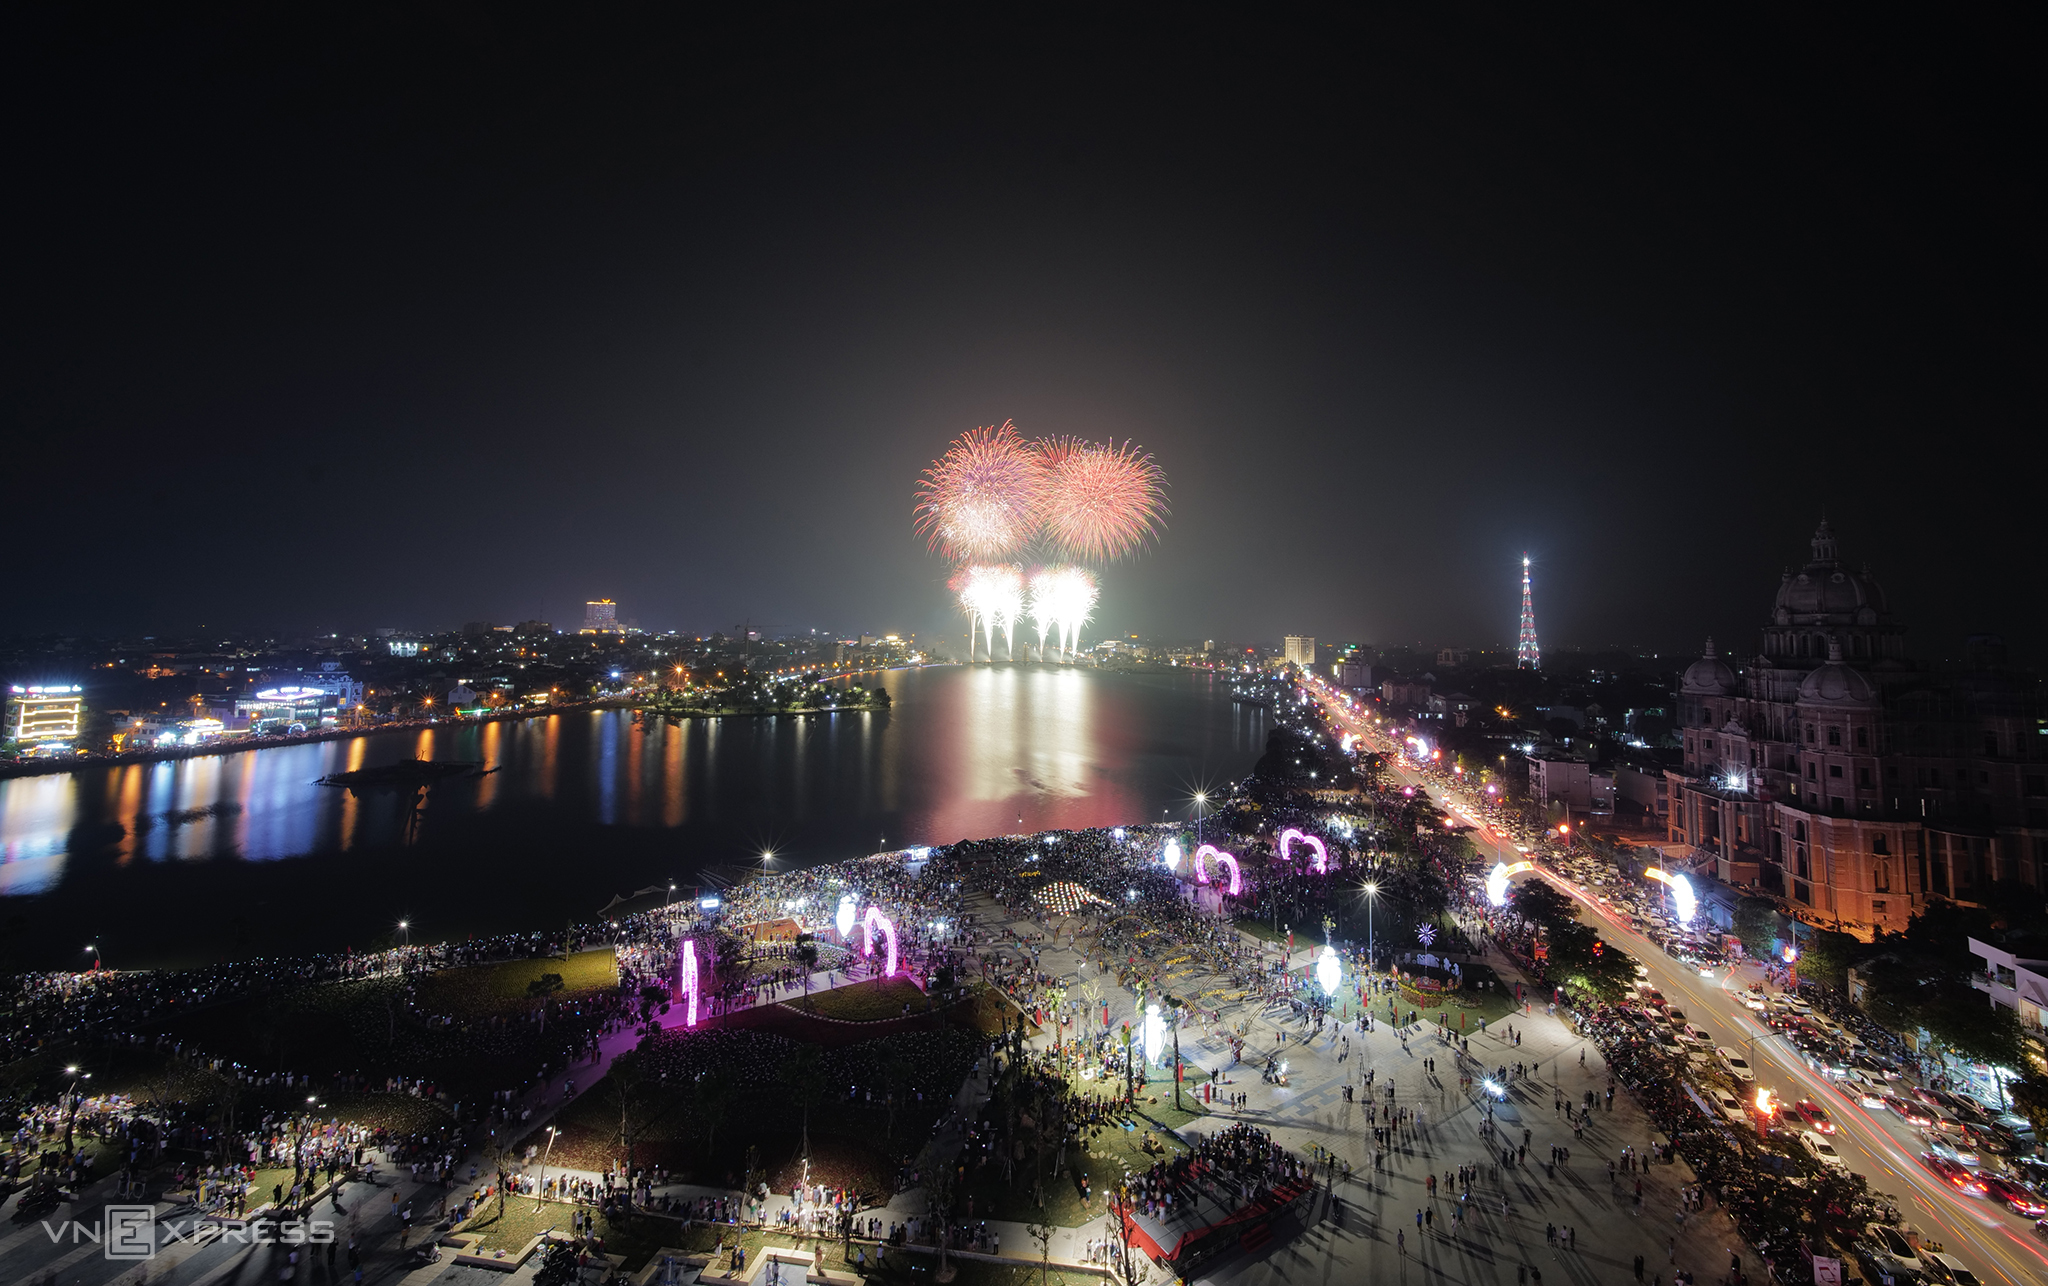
x=763, y=694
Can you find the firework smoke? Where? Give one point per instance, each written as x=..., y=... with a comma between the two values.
x=980, y=501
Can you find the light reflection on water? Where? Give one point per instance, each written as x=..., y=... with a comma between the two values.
x=965, y=752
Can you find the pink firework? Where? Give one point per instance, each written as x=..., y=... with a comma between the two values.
x=980, y=500
x=1101, y=501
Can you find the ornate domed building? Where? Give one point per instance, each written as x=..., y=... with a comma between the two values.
x=1835, y=776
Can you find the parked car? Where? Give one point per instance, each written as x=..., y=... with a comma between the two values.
x=1894, y=1243
x=1949, y=1270
x=1734, y=1064
x=1822, y=1151
x=1728, y=1106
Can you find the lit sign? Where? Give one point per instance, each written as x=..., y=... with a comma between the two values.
x=293, y=695
x=1172, y=855
x=47, y=689
x=707, y=904
x=844, y=918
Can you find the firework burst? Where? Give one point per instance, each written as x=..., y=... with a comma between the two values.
x=981, y=500
x=1099, y=501
x=1062, y=599
x=992, y=596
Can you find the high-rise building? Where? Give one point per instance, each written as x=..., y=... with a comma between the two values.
x=1527, y=655
x=44, y=716
x=1300, y=649
x=601, y=616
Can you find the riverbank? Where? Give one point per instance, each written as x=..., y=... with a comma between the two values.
x=242, y=745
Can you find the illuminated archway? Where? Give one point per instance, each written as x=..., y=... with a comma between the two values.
x=689, y=981
x=1292, y=836
x=1497, y=880
x=1687, y=902
x=1202, y=867
x=867, y=938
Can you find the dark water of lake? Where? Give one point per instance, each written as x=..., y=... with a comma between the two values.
x=244, y=854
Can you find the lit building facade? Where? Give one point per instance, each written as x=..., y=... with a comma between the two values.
x=601, y=616
x=44, y=718
x=1299, y=649
x=1836, y=776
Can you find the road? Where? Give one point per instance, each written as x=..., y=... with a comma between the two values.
x=1998, y=1246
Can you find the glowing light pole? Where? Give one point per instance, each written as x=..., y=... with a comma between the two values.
x=1201, y=799
x=1372, y=895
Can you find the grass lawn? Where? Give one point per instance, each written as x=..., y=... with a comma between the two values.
x=478, y=992
x=862, y=1002
x=636, y=1238
x=1104, y=1156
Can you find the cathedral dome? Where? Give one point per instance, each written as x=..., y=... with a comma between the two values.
x=1708, y=677
x=1825, y=591
x=1836, y=684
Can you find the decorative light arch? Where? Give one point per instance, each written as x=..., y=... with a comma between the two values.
x=1497, y=880
x=867, y=938
x=690, y=984
x=1688, y=902
x=1292, y=836
x=1202, y=867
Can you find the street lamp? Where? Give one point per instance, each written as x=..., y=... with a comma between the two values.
x=1372, y=895
x=1201, y=799
x=71, y=1102
x=542, y=1186
x=405, y=931
x=94, y=951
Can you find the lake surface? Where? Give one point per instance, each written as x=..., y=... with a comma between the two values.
x=244, y=853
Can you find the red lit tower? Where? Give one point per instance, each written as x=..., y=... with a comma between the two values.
x=1527, y=656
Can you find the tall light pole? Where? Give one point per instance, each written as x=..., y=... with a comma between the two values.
x=1201, y=800
x=1372, y=895
x=541, y=1187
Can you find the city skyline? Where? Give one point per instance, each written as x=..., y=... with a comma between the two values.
x=1407, y=291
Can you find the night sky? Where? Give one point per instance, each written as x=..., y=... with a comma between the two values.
x=348, y=318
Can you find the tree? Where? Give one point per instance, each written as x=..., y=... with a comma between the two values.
x=711, y=1100
x=1756, y=923
x=540, y=989
x=806, y=955
x=1543, y=906
x=895, y=1081
x=805, y=1074
x=627, y=1079
x=2030, y=1099
x=1042, y=1234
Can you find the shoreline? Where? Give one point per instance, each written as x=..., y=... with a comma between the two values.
x=166, y=754
x=218, y=749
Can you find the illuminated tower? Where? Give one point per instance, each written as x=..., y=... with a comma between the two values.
x=1527, y=657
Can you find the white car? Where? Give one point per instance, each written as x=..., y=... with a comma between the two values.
x=1733, y=1063
x=1695, y=1036
x=1822, y=1151
x=1728, y=1106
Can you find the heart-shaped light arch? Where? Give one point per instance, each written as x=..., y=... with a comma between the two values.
x=690, y=983
x=868, y=922
x=1292, y=836
x=1202, y=867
